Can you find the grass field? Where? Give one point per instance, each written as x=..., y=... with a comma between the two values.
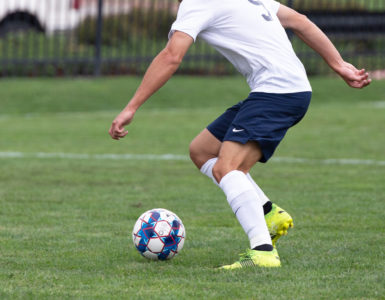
x=66, y=219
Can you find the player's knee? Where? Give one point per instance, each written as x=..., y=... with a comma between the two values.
x=196, y=154
x=221, y=168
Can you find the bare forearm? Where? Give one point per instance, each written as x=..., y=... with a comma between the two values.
x=157, y=74
x=317, y=40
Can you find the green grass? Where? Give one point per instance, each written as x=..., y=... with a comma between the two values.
x=65, y=224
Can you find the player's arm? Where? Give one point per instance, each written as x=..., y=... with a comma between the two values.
x=158, y=73
x=316, y=39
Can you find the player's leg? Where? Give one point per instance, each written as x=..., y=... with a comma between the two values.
x=265, y=118
x=236, y=156
x=234, y=162
x=204, y=146
x=204, y=151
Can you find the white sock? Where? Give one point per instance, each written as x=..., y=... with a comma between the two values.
x=241, y=196
x=261, y=194
x=207, y=169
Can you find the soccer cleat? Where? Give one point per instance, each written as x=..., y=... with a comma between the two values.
x=254, y=258
x=278, y=222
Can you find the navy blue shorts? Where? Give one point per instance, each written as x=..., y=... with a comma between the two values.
x=262, y=117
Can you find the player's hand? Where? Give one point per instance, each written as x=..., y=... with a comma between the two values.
x=354, y=78
x=117, y=130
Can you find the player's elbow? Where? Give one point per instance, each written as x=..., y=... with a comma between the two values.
x=172, y=58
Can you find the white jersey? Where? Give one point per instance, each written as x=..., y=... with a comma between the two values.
x=249, y=34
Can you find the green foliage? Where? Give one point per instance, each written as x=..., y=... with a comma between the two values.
x=115, y=30
x=154, y=23
x=118, y=29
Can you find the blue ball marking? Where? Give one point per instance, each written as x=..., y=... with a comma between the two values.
x=142, y=247
x=169, y=241
x=171, y=244
x=164, y=255
x=176, y=226
x=154, y=216
x=147, y=231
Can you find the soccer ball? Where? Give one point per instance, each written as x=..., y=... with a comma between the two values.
x=158, y=234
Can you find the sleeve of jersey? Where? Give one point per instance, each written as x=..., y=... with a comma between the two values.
x=191, y=19
x=274, y=6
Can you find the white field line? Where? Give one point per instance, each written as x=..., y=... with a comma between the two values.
x=176, y=157
x=94, y=156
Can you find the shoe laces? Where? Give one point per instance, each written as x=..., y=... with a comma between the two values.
x=246, y=260
x=245, y=256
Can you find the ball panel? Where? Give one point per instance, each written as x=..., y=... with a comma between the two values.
x=137, y=227
x=150, y=255
x=162, y=228
x=136, y=239
x=180, y=245
x=181, y=231
x=155, y=245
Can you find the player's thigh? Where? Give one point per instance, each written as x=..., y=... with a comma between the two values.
x=236, y=156
x=204, y=147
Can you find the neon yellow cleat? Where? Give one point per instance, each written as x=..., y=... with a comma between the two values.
x=254, y=258
x=278, y=222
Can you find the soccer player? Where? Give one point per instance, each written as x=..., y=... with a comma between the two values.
x=251, y=35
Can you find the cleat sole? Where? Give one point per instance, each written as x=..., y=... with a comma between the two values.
x=278, y=222
x=282, y=230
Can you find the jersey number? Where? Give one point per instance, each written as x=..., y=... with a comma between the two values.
x=267, y=16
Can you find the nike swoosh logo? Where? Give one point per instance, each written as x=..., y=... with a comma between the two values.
x=238, y=130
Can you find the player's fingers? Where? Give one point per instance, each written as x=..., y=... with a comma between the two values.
x=113, y=135
x=360, y=84
x=121, y=134
x=366, y=83
x=359, y=77
x=119, y=130
x=111, y=132
x=115, y=132
x=365, y=75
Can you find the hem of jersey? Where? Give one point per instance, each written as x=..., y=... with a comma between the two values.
x=281, y=91
x=172, y=31
x=275, y=7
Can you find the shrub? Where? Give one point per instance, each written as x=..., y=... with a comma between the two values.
x=144, y=23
